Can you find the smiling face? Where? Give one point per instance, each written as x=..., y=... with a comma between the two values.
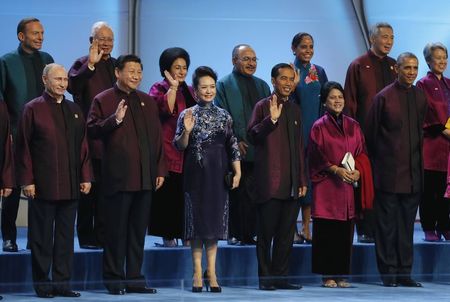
x=283, y=83
x=56, y=81
x=130, y=76
x=178, y=70
x=105, y=38
x=335, y=101
x=438, y=62
x=245, y=62
x=383, y=41
x=206, y=89
x=304, y=50
x=407, y=71
x=32, y=37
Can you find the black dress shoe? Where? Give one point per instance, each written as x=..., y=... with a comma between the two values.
x=44, y=294
x=66, y=293
x=90, y=247
x=390, y=284
x=233, y=241
x=365, y=239
x=116, y=291
x=9, y=246
x=266, y=286
x=408, y=282
x=141, y=290
x=287, y=285
x=1, y=298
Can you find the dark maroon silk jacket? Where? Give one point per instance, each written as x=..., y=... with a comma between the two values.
x=362, y=82
x=121, y=164
x=85, y=84
x=6, y=154
x=38, y=146
x=383, y=130
x=265, y=136
x=328, y=143
x=435, y=146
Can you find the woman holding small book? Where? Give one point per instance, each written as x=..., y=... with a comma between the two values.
x=333, y=208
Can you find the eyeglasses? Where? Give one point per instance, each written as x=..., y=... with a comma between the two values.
x=248, y=59
x=103, y=39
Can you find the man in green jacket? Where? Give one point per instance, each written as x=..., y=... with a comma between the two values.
x=238, y=93
x=20, y=82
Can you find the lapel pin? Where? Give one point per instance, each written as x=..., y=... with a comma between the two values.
x=76, y=115
x=142, y=104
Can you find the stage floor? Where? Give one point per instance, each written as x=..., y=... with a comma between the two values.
x=310, y=293
x=170, y=271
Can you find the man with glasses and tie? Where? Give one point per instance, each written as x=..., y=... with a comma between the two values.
x=238, y=93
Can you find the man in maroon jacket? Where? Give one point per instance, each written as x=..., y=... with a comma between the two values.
x=89, y=76
x=6, y=160
x=366, y=76
x=127, y=121
x=275, y=130
x=53, y=167
x=394, y=140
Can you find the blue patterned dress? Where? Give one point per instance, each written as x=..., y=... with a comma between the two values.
x=211, y=150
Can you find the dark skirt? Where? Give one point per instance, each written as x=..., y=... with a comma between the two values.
x=167, y=211
x=332, y=246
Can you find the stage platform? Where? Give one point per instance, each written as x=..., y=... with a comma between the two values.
x=170, y=270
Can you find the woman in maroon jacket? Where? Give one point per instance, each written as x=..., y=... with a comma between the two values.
x=333, y=207
x=434, y=208
x=172, y=95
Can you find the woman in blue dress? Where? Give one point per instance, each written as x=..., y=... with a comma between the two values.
x=307, y=95
x=204, y=131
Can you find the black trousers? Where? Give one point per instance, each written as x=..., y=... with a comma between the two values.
x=10, y=208
x=332, y=246
x=365, y=224
x=434, y=208
x=395, y=216
x=90, y=218
x=242, y=221
x=51, y=234
x=277, y=220
x=126, y=224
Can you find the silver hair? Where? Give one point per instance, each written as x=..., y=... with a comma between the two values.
x=401, y=57
x=430, y=48
x=97, y=26
x=49, y=67
x=375, y=29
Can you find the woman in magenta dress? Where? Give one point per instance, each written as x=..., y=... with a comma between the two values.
x=172, y=95
x=333, y=206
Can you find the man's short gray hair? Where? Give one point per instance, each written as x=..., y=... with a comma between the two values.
x=404, y=55
x=375, y=29
x=97, y=26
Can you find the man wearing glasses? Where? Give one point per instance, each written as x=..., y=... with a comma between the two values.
x=89, y=76
x=238, y=93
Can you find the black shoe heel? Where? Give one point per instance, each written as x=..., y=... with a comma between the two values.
x=213, y=289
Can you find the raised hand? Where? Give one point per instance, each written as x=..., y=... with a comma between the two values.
x=275, y=109
x=121, y=110
x=94, y=55
x=173, y=82
x=296, y=74
x=188, y=121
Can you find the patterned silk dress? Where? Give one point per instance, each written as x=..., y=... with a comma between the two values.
x=211, y=150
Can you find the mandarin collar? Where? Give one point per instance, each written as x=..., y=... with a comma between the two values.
x=121, y=92
x=51, y=99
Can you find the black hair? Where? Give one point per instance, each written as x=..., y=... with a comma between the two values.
x=276, y=69
x=299, y=37
x=123, y=59
x=327, y=87
x=200, y=72
x=169, y=55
